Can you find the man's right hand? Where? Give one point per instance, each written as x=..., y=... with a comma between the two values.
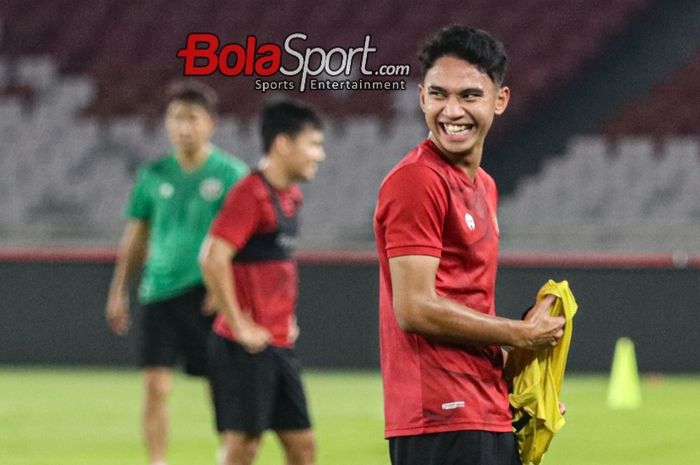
x=117, y=313
x=542, y=329
x=253, y=337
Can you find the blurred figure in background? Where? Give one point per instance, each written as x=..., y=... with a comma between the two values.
x=255, y=374
x=169, y=211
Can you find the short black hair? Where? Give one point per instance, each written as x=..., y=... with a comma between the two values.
x=286, y=117
x=195, y=92
x=476, y=46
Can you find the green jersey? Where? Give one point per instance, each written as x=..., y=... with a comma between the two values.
x=179, y=207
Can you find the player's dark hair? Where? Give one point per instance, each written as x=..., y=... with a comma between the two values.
x=194, y=92
x=287, y=117
x=473, y=45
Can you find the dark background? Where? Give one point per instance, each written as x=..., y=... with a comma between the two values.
x=53, y=313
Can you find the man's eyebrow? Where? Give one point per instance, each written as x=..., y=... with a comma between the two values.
x=471, y=91
x=436, y=88
x=465, y=91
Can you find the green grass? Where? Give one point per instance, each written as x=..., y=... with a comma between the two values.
x=91, y=417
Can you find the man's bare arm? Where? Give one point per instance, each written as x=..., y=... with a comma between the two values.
x=420, y=310
x=130, y=257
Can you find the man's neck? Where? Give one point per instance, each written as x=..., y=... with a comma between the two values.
x=190, y=160
x=468, y=163
x=275, y=174
x=469, y=170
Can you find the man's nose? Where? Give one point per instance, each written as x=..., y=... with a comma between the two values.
x=184, y=128
x=453, y=109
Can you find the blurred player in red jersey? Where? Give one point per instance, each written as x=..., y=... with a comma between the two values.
x=437, y=238
x=255, y=375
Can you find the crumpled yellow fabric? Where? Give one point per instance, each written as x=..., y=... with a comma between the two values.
x=537, y=378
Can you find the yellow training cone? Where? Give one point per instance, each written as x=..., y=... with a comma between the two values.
x=624, y=391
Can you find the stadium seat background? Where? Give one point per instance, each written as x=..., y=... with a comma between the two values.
x=81, y=85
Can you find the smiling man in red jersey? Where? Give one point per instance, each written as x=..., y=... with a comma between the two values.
x=445, y=397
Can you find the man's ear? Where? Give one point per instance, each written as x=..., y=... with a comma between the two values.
x=421, y=96
x=502, y=100
x=281, y=144
x=214, y=123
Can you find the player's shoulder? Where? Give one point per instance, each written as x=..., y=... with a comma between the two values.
x=251, y=185
x=228, y=161
x=248, y=182
x=161, y=164
x=419, y=166
x=255, y=185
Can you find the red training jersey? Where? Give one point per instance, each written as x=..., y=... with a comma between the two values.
x=268, y=288
x=429, y=206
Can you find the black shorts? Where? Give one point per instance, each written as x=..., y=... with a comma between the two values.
x=455, y=448
x=256, y=392
x=175, y=331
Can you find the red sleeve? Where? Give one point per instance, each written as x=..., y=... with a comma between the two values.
x=411, y=209
x=239, y=217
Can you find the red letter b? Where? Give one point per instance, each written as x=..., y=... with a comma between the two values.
x=191, y=52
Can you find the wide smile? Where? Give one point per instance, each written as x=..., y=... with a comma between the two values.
x=457, y=132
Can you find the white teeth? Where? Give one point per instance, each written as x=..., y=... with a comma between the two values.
x=457, y=128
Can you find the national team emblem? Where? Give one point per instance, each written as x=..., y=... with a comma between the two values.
x=211, y=189
x=470, y=221
x=166, y=190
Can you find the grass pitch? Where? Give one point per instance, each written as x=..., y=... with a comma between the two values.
x=91, y=417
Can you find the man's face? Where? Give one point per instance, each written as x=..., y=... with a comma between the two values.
x=459, y=102
x=189, y=125
x=304, y=153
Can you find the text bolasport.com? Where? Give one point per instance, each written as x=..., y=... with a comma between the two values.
x=204, y=55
